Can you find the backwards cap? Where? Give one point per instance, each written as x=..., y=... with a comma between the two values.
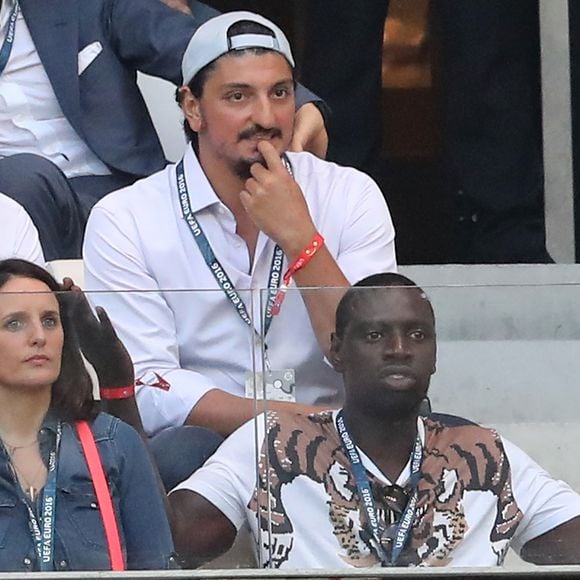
x=211, y=41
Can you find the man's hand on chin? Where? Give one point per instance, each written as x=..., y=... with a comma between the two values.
x=276, y=204
x=309, y=131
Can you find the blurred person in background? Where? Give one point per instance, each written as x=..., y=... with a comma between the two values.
x=18, y=235
x=491, y=113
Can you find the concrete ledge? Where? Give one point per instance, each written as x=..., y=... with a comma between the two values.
x=550, y=572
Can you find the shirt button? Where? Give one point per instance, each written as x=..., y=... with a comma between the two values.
x=94, y=505
x=27, y=562
x=63, y=564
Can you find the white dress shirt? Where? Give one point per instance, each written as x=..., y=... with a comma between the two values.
x=18, y=236
x=31, y=120
x=177, y=322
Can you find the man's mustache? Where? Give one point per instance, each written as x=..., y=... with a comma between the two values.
x=259, y=131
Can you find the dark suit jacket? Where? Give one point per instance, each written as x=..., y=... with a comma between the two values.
x=104, y=104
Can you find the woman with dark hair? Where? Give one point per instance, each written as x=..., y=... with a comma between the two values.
x=51, y=517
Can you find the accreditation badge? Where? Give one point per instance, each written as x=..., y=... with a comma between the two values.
x=276, y=385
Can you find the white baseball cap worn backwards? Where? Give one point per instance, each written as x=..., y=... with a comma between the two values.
x=211, y=41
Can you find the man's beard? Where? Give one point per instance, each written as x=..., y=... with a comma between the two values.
x=242, y=167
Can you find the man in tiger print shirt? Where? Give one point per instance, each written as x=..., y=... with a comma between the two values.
x=377, y=484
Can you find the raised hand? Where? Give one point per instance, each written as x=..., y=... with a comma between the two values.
x=100, y=344
x=276, y=204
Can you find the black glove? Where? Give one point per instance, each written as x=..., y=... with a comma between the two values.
x=99, y=342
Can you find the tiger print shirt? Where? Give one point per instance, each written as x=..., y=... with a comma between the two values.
x=477, y=495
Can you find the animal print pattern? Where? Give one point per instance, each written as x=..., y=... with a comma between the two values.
x=458, y=457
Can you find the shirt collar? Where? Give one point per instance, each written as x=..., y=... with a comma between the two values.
x=50, y=420
x=201, y=193
x=370, y=466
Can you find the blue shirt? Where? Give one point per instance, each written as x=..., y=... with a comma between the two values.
x=80, y=538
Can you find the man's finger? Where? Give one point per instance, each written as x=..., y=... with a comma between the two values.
x=258, y=171
x=245, y=198
x=252, y=185
x=271, y=156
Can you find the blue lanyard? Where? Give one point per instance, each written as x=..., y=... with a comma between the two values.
x=42, y=531
x=404, y=527
x=9, y=40
x=217, y=269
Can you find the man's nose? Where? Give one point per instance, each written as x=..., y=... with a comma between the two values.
x=397, y=345
x=263, y=113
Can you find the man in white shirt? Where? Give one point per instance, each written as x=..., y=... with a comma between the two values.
x=18, y=236
x=225, y=224
x=377, y=484
x=73, y=123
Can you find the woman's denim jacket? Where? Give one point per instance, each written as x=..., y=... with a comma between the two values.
x=80, y=539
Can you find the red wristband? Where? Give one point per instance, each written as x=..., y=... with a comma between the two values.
x=303, y=258
x=118, y=392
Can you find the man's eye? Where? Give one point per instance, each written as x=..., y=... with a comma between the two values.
x=236, y=97
x=280, y=93
x=417, y=335
x=374, y=335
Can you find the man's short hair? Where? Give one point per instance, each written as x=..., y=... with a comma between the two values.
x=383, y=280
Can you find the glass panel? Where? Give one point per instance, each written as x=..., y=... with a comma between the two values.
x=178, y=357
x=505, y=359
x=195, y=341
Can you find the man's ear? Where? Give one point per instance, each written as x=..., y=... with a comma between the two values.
x=191, y=108
x=334, y=355
x=434, y=369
